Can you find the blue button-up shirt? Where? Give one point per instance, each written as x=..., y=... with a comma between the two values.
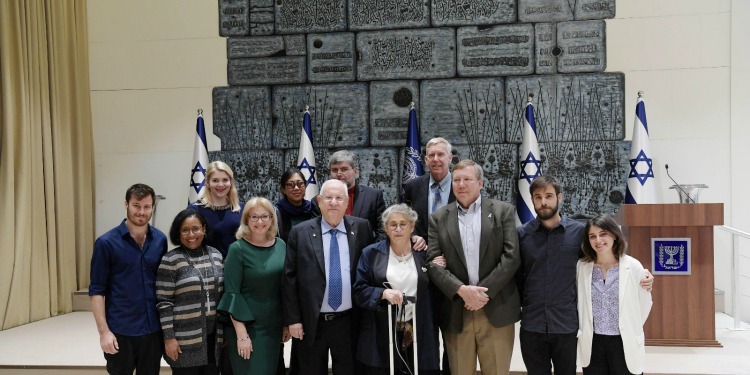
x=547, y=276
x=344, y=261
x=126, y=276
x=445, y=191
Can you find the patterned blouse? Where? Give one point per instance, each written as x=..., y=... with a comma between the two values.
x=605, y=301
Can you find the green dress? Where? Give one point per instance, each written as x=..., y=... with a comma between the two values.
x=252, y=294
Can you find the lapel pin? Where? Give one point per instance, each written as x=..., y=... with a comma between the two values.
x=424, y=269
x=352, y=233
x=314, y=234
x=489, y=216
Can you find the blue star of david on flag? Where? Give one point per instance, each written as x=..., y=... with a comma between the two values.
x=641, y=186
x=535, y=168
x=529, y=164
x=305, y=165
x=634, y=166
x=306, y=156
x=200, y=161
x=198, y=183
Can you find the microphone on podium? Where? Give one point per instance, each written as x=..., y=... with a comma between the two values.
x=666, y=166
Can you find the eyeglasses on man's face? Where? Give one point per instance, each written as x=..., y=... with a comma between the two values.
x=295, y=184
x=261, y=218
x=195, y=230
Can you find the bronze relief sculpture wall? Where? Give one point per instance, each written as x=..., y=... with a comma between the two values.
x=468, y=65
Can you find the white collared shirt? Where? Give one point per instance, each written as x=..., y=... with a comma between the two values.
x=470, y=227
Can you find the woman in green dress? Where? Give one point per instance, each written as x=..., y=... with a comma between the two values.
x=252, y=291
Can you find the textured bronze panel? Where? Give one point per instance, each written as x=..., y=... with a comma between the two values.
x=242, y=117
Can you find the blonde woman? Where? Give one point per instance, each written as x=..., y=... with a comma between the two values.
x=220, y=205
x=252, y=291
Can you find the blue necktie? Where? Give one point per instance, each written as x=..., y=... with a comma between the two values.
x=334, y=272
x=437, y=201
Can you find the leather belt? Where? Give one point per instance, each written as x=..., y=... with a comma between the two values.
x=329, y=317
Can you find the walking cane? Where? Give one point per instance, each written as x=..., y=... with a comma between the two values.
x=392, y=333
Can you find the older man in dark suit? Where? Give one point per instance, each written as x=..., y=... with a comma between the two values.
x=321, y=261
x=477, y=237
x=427, y=193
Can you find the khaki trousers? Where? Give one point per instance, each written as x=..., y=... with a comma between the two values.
x=493, y=346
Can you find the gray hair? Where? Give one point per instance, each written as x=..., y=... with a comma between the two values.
x=467, y=163
x=402, y=209
x=343, y=156
x=439, y=140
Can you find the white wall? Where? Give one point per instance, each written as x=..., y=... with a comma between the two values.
x=153, y=63
x=686, y=57
x=740, y=139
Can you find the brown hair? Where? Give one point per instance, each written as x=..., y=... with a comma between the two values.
x=608, y=224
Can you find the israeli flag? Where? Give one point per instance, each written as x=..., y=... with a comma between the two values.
x=530, y=166
x=413, y=154
x=200, y=161
x=306, y=157
x=641, y=184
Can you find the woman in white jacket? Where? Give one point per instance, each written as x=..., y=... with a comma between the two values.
x=612, y=306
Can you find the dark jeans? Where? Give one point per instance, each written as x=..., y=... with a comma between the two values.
x=607, y=356
x=542, y=350
x=139, y=353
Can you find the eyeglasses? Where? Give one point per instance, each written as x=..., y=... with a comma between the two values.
x=394, y=226
x=261, y=218
x=341, y=170
x=293, y=184
x=195, y=230
x=331, y=199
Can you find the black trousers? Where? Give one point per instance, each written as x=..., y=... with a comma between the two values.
x=139, y=353
x=336, y=336
x=607, y=356
x=541, y=351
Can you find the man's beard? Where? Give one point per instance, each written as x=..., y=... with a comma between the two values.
x=552, y=213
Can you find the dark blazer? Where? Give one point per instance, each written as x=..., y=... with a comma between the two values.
x=304, y=279
x=369, y=205
x=416, y=195
x=499, y=258
x=368, y=290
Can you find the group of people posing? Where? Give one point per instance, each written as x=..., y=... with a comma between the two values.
x=373, y=287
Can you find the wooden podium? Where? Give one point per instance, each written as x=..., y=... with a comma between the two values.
x=683, y=311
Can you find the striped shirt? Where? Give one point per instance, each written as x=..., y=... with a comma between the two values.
x=189, y=284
